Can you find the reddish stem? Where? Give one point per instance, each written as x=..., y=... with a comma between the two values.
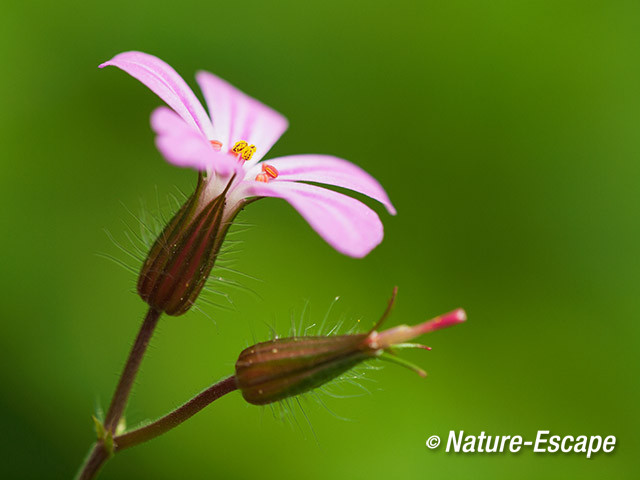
x=121, y=395
x=175, y=418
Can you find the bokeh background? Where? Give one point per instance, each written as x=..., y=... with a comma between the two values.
x=507, y=135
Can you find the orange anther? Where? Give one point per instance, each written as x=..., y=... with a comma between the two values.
x=216, y=144
x=270, y=170
x=262, y=177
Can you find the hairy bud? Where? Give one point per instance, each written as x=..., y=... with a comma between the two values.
x=281, y=368
x=183, y=255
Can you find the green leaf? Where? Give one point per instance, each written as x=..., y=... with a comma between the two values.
x=100, y=431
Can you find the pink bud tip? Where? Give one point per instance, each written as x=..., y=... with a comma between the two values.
x=403, y=333
x=443, y=321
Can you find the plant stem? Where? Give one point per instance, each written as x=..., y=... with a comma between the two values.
x=175, y=418
x=121, y=395
x=92, y=464
x=99, y=454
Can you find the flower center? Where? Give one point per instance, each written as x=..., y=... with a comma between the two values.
x=243, y=150
x=269, y=172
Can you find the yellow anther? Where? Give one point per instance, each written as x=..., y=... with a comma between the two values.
x=239, y=146
x=248, y=152
x=244, y=149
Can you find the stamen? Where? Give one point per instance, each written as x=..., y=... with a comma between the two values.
x=239, y=146
x=270, y=170
x=248, y=152
x=243, y=149
x=216, y=144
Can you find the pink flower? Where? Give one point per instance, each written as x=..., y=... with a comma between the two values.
x=229, y=144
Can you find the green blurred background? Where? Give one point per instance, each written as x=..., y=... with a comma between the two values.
x=506, y=133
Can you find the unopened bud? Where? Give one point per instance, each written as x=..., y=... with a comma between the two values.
x=281, y=368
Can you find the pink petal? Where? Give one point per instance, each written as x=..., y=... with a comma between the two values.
x=165, y=82
x=329, y=170
x=347, y=224
x=184, y=146
x=236, y=116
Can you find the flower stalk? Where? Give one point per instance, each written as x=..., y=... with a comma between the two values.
x=176, y=417
x=121, y=395
x=265, y=373
x=100, y=452
x=106, y=431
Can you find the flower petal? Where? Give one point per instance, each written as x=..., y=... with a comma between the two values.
x=329, y=170
x=347, y=224
x=184, y=146
x=165, y=82
x=237, y=116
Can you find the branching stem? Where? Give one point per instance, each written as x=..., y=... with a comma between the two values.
x=99, y=454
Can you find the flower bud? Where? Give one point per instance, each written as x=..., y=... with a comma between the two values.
x=281, y=368
x=183, y=255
